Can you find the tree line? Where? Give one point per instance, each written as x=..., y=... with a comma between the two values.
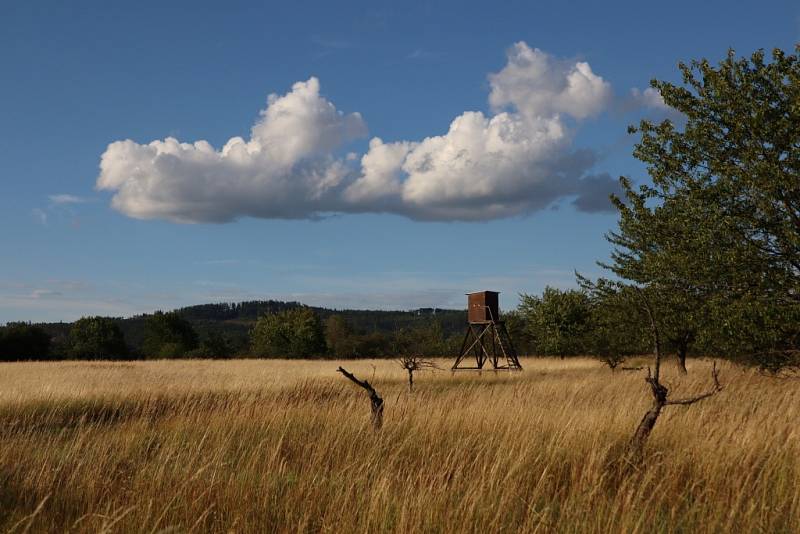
x=287, y=330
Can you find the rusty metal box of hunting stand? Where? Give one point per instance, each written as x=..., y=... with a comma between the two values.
x=483, y=307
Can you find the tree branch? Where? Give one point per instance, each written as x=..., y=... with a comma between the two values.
x=717, y=387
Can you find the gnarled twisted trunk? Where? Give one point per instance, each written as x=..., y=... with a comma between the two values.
x=651, y=416
x=376, y=402
x=659, y=391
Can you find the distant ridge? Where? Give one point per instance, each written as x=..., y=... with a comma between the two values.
x=235, y=319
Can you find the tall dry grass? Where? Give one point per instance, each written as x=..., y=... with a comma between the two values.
x=263, y=446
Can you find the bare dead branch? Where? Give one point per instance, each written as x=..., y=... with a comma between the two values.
x=413, y=363
x=660, y=400
x=375, y=400
x=416, y=363
x=716, y=388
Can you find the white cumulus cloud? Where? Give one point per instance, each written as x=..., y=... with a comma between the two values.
x=518, y=159
x=285, y=169
x=649, y=98
x=539, y=85
x=64, y=198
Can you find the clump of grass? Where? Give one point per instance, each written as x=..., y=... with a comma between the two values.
x=533, y=451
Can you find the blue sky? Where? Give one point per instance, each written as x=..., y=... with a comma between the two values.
x=77, y=77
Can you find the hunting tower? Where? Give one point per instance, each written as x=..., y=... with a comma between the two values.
x=487, y=338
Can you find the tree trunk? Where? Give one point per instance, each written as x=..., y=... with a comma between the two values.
x=650, y=418
x=376, y=402
x=682, y=359
x=659, y=392
x=410, y=380
x=682, y=350
x=377, y=411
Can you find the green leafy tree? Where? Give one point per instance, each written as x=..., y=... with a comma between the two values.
x=212, y=345
x=374, y=345
x=293, y=333
x=423, y=341
x=657, y=246
x=731, y=178
x=96, y=338
x=168, y=335
x=558, y=322
x=617, y=327
x=517, y=331
x=340, y=338
x=23, y=341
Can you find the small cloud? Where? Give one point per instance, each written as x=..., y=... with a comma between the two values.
x=40, y=216
x=652, y=103
x=649, y=98
x=44, y=293
x=68, y=285
x=64, y=198
x=422, y=54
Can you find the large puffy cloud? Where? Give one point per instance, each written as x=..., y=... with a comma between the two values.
x=517, y=160
x=285, y=170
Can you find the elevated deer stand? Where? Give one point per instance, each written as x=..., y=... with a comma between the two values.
x=487, y=338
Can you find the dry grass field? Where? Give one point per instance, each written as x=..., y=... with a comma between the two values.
x=279, y=446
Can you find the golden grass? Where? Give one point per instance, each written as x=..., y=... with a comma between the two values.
x=263, y=446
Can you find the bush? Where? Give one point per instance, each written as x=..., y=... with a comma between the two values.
x=23, y=341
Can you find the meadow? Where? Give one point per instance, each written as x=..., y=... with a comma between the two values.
x=287, y=446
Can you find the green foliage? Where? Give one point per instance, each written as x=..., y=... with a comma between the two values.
x=658, y=247
x=617, y=325
x=737, y=158
x=426, y=341
x=715, y=239
x=373, y=345
x=294, y=333
x=340, y=338
x=558, y=322
x=213, y=345
x=518, y=330
x=96, y=338
x=600, y=319
x=751, y=331
x=23, y=341
x=168, y=335
x=372, y=332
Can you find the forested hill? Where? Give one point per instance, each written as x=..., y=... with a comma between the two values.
x=235, y=320
x=363, y=321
